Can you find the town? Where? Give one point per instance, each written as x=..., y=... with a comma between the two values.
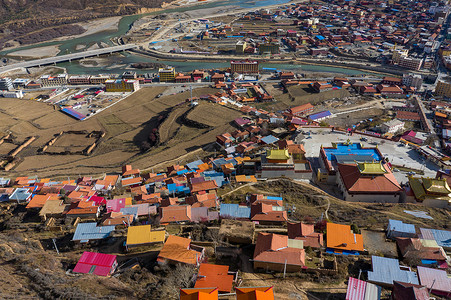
x=241, y=176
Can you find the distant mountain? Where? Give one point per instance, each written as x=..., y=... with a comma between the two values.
x=21, y=18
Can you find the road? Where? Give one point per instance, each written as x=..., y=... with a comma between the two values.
x=67, y=57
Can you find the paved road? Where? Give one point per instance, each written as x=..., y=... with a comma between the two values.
x=67, y=57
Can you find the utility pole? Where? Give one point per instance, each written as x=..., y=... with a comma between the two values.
x=285, y=268
x=56, y=248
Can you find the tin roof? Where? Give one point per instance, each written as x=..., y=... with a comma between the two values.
x=89, y=231
x=386, y=270
x=95, y=263
x=142, y=234
x=210, y=275
x=436, y=279
x=234, y=211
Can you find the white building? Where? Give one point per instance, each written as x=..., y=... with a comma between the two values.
x=392, y=126
x=412, y=80
x=12, y=94
x=6, y=84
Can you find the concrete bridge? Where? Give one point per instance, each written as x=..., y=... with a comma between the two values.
x=67, y=57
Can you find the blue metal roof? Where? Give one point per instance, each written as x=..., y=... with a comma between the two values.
x=274, y=198
x=194, y=165
x=386, y=270
x=320, y=37
x=269, y=139
x=20, y=194
x=235, y=211
x=442, y=237
x=322, y=114
x=130, y=210
x=399, y=226
x=89, y=231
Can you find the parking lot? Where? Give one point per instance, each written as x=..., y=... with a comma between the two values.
x=397, y=153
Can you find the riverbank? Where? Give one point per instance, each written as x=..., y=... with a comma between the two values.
x=36, y=53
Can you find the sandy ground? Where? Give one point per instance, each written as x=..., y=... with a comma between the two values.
x=39, y=52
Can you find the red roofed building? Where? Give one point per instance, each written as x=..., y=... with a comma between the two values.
x=199, y=294
x=203, y=186
x=176, y=213
x=368, y=182
x=267, y=213
x=305, y=233
x=274, y=251
x=96, y=263
x=210, y=275
x=178, y=249
x=301, y=109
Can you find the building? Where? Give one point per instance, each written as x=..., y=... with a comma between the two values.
x=129, y=75
x=392, y=126
x=389, y=90
x=399, y=229
x=19, y=83
x=248, y=293
x=240, y=47
x=99, y=79
x=443, y=88
x=267, y=213
x=278, y=253
x=6, y=84
x=306, y=233
x=279, y=162
x=368, y=182
x=321, y=86
x=343, y=153
x=210, y=275
x=244, y=67
x=437, y=281
x=175, y=214
x=387, y=270
x=412, y=80
x=362, y=290
x=301, y=109
x=86, y=232
x=234, y=211
x=79, y=80
x=391, y=81
x=200, y=293
x=178, y=249
x=143, y=235
x=59, y=80
x=12, y=94
x=269, y=47
x=341, y=238
x=96, y=263
x=409, y=291
x=167, y=74
x=320, y=116
x=410, y=63
x=431, y=192
x=398, y=54
x=121, y=86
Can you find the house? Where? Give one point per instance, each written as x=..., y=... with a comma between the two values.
x=321, y=86
x=179, y=250
x=203, y=214
x=21, y=195
x=387, y=270
x=278, y=253
x=234, y=211
x=441, y=237
x=86, y=232
x=362, y=290
x=399, y=229
x=199, y=294
x=210, y=275
x=409, y=291
x=53, y=208
x=90, y=212
x=340, y=238
x=143, y=235
x=305, y=233
x=368, y=182
x=268, y=214
x=413, y=249
x=38, y=201
x=392, y=126
x=96, y=263
x=203, y=186
x=321, y=116
x=175, y=213
x=437, y=281
x=115, y=204
x=250, y=293
x=388, y=90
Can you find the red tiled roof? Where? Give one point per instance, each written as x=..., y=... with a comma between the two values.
x=214, y=276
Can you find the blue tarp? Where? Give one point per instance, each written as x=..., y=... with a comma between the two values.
x=320, y=37
x=344, y=252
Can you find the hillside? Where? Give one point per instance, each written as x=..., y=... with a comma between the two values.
x=32, y=21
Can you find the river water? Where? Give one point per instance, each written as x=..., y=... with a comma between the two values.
x=117, y=63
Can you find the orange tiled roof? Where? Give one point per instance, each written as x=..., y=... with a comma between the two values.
x=214, y=276
x=39, y=200
x=177, y=249
x=255, y=293
x=341, y=237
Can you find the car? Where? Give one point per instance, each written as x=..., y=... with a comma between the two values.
x=395, y=170
x=309, y=137
x=411, y=173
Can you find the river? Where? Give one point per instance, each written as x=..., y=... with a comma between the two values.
x=119, y=62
